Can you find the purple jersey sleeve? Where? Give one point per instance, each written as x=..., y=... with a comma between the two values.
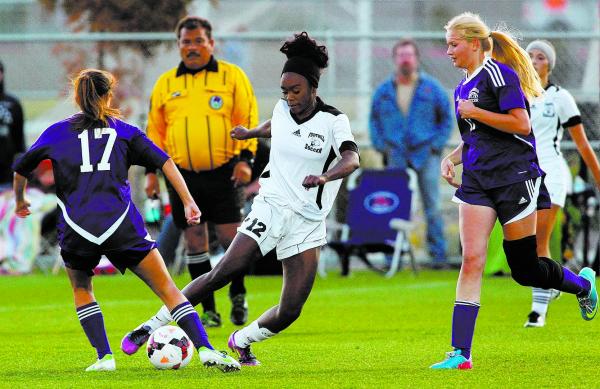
x=145, y=153
x=510, y=95
x=28, y=161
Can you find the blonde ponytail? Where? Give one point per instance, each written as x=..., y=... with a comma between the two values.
x=503, y=48
x=92, y=91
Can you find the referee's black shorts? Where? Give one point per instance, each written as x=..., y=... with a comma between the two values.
x=219, y=201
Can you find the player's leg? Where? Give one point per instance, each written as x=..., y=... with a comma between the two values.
x=153, y=272
x=541, y=297
x=298, y=278
x=237, y=289
x=196, y=239
x=88, y=310
x=236, y=259
x=530, y=270
x=475, y=224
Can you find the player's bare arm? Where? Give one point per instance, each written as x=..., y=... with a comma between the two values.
x=263, y=130
x=22, y=205
x=449, y=162
x=349, y=163
x=516, y=121
x=192, y=213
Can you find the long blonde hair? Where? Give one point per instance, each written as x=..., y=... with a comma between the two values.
x=92, y=90
x=503, y=49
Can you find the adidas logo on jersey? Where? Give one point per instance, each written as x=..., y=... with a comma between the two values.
x=297, y=133
x=522, y=201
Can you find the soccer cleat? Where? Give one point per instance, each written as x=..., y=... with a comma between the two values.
x=454, y=360
x=135, y=339
x=239, y=309
x=535, y=320
x=245, y=356
x=589, y=304
x=107, y=363
x=211, y=319
x=218, y=359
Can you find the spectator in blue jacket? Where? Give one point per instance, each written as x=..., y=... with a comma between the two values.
x=410, y=123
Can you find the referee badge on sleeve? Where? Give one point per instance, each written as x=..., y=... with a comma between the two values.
x=215, y=102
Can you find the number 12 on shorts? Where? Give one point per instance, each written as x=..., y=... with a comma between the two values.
x=255, y=226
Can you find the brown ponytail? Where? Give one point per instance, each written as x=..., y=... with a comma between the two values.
x=92, y=91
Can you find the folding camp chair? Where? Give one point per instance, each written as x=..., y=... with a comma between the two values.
x=378, y=220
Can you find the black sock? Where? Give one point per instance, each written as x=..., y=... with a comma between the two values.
x=198, y=264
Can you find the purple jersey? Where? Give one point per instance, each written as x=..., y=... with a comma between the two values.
x=90, y=170
x=491, y=157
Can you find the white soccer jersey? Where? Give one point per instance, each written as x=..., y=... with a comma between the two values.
x=550, y=114
x=299, y=149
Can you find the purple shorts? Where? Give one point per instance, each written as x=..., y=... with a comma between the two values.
x=512, y=202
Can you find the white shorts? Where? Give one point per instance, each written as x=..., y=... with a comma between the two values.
x=276, y=227
x=558, y=180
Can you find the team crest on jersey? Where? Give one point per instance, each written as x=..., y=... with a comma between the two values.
x=549, y=110
x=474, y=95
x=315, y=143
x=216, y=102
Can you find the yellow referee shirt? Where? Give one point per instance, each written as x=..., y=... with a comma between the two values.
x=191, y=114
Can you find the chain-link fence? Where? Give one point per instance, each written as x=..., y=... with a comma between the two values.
x=39, y=54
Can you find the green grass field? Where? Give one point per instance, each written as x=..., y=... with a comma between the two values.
x=364, y=331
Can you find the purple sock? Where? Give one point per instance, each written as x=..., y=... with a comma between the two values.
x=92, y=321
x=572, y=283
x=463, y=326
x=187, y=318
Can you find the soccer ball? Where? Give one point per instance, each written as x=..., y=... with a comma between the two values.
x=169, y=348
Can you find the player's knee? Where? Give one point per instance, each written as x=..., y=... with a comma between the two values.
x=525, y=266
x=473, y=262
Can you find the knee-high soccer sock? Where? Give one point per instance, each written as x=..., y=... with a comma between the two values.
x=541, y=299
x=162, y=318
x=187, y=318
x=463, y=326
x=252, y=333
x=572, y=283
x=198, y=264
x=92, y=321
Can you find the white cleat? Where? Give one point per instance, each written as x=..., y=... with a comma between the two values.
x=107, y=363
x=218, y=359
x=535, y=320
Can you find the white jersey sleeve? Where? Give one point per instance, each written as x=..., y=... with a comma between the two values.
x=566, y=108
x=341, y=132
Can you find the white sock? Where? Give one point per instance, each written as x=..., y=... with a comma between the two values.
x=541, y=299
x=252, y=333
x=162, y=318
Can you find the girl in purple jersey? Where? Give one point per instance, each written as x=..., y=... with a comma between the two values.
x=101, y=163
x=497, y=149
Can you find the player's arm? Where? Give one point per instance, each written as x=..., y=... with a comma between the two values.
x=350, y=162
x=516, y=121
x=448, y=163
x=21, y=204
x=263, y=130
x=585, y=150
x=192, y=213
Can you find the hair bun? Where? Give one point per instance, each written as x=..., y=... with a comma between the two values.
x=303, y=46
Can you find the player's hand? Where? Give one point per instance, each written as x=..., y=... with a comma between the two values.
x=466, y=109
x=239, y=133
x=448, y=172
x=22, y=208
x=313, y=181
x=192, y=214
x=152, y=186
x=242, y=173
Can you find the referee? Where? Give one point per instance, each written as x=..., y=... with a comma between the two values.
x=192, y=109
